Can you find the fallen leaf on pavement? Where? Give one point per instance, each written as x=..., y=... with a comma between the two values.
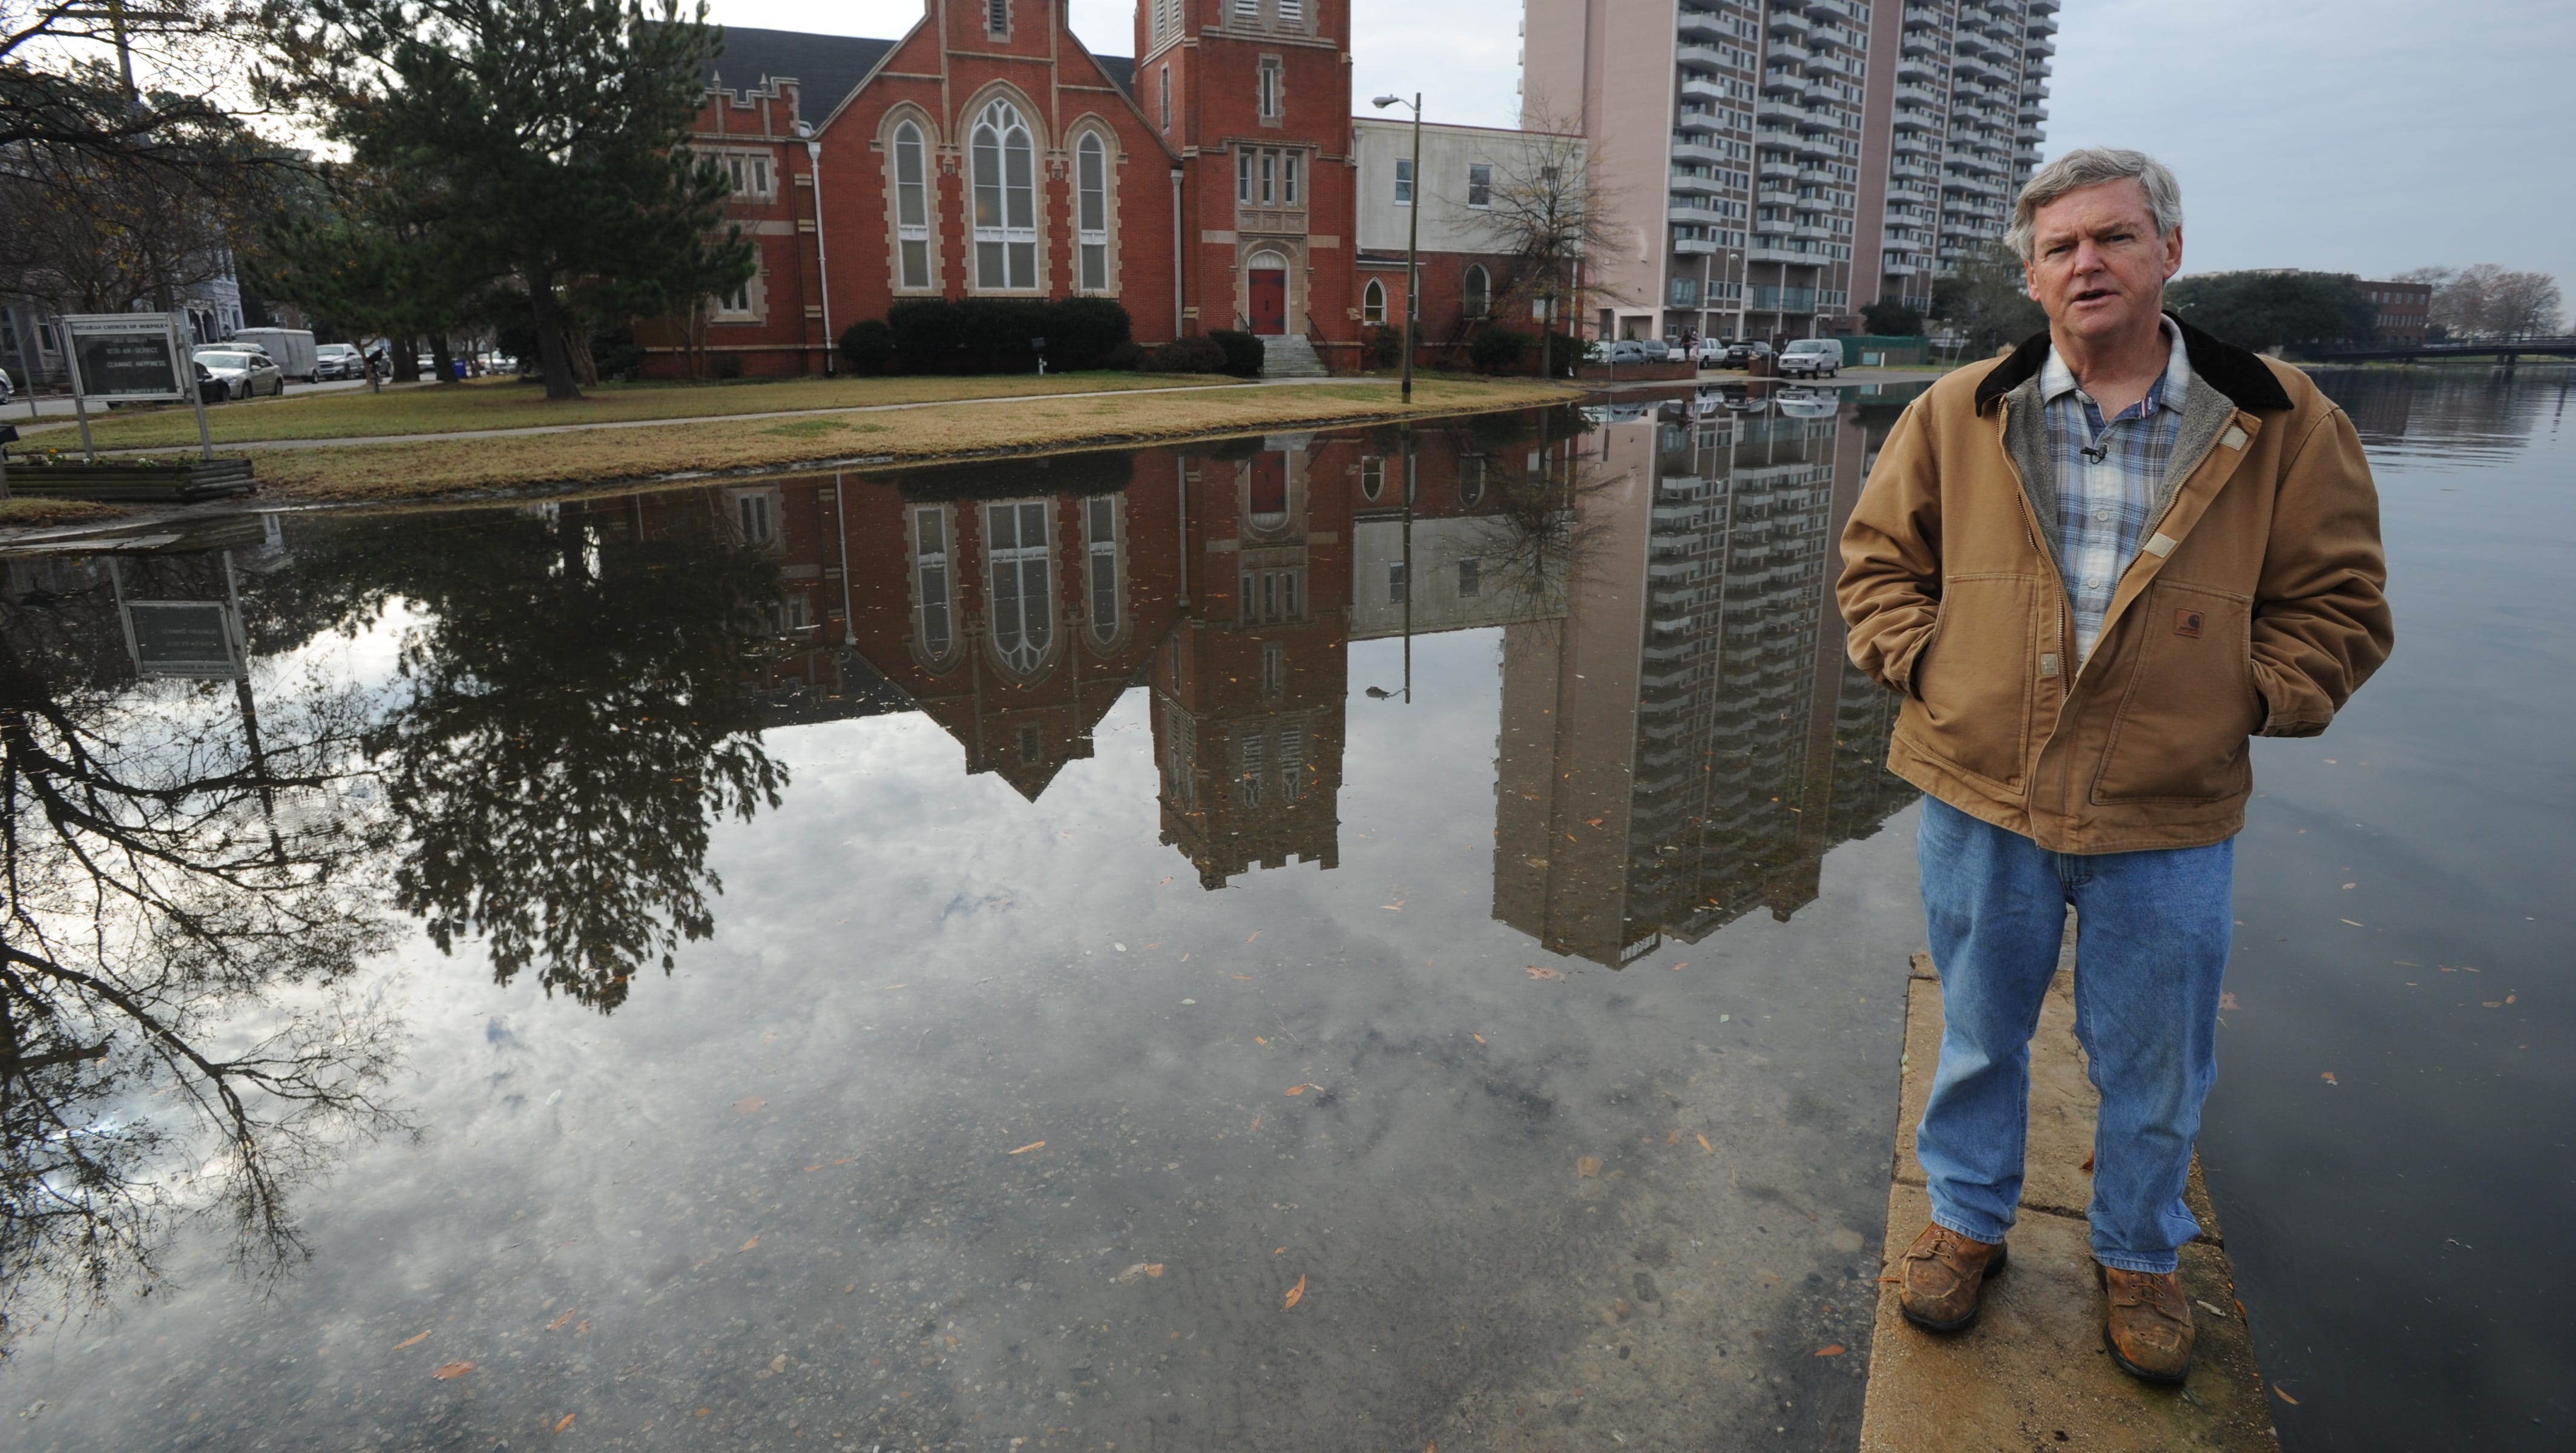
x=1704, y=1145
x=2226, y=1001
x=2285, y=1397
x=1296, y=1293
x=1536, y=972
x=755, y=1241
x=1301, y=1089
x=559, y=1323
x=748, y=1105
x=567, y=1422
x=1032, y=1145
x=1587, y=1165
x=2329, y=1078
x=1256, y=1124
x=1831, y=1349
x=1256, y=933
x=1131, y=1274
x=453, y=1371
x=414, y=1340
x=1480, y=1039
x=1592, y=821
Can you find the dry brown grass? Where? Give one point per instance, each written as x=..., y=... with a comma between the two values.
x=429, y=468
x=28, y=509
x=501, y=403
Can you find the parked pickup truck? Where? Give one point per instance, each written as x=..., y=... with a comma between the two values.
x=1812, y=358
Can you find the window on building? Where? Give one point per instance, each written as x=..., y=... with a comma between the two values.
x=1015, y=537
x=997, y=16
x=1292, y=12
x=1395, y=582
x=911, y=206
x=1471, y=480
x=751, y=513
x=48, y=339
x=736, y=303
x=748, y=176
x=1274, y=669
x=1167, y=22
x=930, y=580
x=1006, y=227
x=1471, y=582
x=1247, y=10
x=1091, y=167
x=1373, y=302
x=1480, y=185
x=1243, y=176
x=1404, y=181
x=1288, y=178
x=1167, y=96
x=1685, y=292
x=1272, y=102
x=1476, y=291
x=1100, y=524
x=1269, y=178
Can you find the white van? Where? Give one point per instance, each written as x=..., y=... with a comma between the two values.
x=291, y=349
x=1812, y=358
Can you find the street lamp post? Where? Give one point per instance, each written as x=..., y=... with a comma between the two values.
x=1412, y=247
x=822, y=263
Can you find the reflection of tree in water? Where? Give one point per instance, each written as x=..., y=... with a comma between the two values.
x=572, y=725
x=176, y=1034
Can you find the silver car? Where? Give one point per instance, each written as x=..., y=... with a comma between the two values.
x=244, y=375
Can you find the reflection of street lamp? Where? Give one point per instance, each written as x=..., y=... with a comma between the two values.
x=1412, y=257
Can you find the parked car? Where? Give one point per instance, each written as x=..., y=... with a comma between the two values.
x=1741, y=353
x=244, y=373
x=1711, y=353
x=1627, y=350
x=338, y=360
x=1812, y=358
x=4, y=385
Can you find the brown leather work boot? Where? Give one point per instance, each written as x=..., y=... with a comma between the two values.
x=2149, y=1330
x=1942, y=1277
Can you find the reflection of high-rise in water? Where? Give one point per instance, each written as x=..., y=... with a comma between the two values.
x=1685, y=744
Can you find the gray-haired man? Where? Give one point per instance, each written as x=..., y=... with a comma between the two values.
x=2094, y=567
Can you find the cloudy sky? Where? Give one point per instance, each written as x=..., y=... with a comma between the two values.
x=2366, y=136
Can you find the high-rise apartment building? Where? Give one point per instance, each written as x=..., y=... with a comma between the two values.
x=1782, y=164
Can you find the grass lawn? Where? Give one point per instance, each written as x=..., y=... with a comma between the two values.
x=499, y=403
x=23, y=509
x=434, y=467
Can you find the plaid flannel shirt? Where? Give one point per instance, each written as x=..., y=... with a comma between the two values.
x=2102, y=502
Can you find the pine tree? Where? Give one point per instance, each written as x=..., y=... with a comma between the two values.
x=555, y=132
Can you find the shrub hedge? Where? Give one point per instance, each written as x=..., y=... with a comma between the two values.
x=1242, y=352
x=999, y=335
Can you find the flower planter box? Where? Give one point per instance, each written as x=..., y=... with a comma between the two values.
x=131, y=482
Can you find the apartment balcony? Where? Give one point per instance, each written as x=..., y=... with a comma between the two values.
x=2038, y=44
x=1702, y=88
x=1813, y=232
x=1910, y=144
x=1692, y=210
x=1702, y=55
x=1832, y=12
x=1820, y=91
x=1922, y=95
x=1694, y=246
x=1899, y=264
x=1779, y=300
x=1818, y=175
x=1776, y=196
x=1787, y=19
x=1780, y=167
x=1686, y=148
x=1697, y=116
x=1698, y=24
x=1786, y=50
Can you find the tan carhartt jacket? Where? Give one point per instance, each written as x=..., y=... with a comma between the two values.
x=2255, y=604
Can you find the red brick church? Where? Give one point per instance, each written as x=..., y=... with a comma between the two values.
x=1208, y=182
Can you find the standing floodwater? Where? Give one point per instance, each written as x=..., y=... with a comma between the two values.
x=1323, y=941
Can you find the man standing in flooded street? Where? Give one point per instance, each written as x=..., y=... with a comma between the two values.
x=2094, y=568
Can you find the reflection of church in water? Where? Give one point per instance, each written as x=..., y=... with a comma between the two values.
x=1677, y=564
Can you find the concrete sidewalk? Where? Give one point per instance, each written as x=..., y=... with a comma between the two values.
x=2033, y=1373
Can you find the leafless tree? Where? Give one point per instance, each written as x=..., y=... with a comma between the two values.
x=1550, y=213
x=103, y=233
x=2490, y=301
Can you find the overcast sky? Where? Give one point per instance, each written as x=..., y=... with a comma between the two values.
x=2366, y=136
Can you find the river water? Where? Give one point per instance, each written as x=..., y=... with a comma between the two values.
x=1351, y=940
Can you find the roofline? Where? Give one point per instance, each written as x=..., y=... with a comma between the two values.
x=1463, y=126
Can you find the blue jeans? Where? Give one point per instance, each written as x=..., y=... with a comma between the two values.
x=2152, y=935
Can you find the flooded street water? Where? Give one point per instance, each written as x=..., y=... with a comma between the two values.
x=1351, y=940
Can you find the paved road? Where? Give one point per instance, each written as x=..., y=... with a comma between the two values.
x=23, y=407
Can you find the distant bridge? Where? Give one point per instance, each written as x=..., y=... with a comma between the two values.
x=2504, y=352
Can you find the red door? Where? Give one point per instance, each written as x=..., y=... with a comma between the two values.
x=1269, y=300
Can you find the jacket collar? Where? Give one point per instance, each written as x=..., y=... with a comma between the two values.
x=2240, y=375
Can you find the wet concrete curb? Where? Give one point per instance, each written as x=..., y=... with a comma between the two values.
x=2033, y=1374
